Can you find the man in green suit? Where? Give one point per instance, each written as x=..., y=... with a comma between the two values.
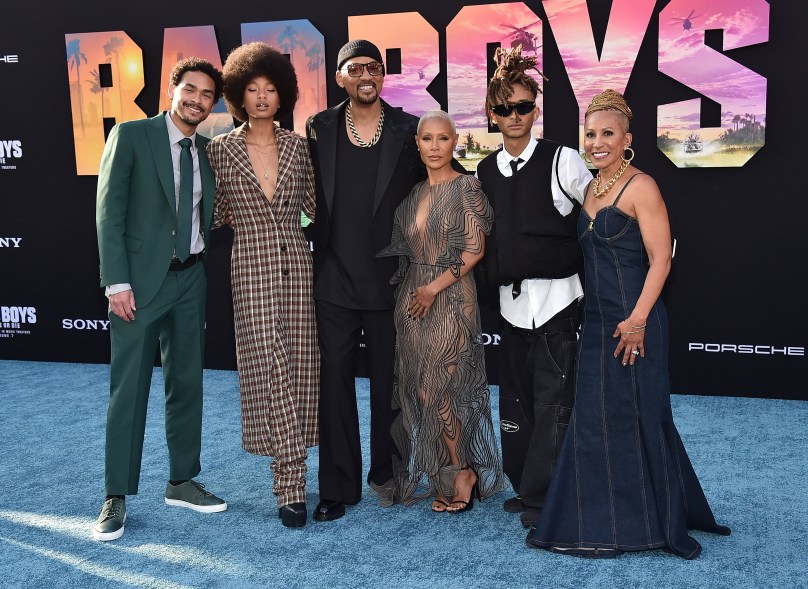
x=153, y=216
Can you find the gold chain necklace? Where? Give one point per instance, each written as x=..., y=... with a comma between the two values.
x=258, y=152
x=356, y=136
x=596, y=186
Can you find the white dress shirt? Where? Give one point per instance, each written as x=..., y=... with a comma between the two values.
x=197, y=241
x=541, y=298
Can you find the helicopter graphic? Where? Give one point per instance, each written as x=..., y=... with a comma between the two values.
x=521, y=36
x=686, y=22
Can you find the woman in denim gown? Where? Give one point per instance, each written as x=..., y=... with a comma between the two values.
x=623, y=481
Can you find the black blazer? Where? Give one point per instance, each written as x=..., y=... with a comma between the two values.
x=400, y=168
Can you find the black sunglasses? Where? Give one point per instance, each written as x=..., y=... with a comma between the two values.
x=374, y=69
x=505, y=110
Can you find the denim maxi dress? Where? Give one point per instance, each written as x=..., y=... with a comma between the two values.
x=623, y=480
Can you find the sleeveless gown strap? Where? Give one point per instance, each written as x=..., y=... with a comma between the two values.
x=622, y=190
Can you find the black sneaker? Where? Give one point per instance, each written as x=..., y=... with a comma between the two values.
x=109, y=525
x=193, y=495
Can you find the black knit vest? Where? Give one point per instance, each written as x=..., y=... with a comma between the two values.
x=530, y=238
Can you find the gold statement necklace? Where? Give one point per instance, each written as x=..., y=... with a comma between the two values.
x=356, y=136
x=599, y=189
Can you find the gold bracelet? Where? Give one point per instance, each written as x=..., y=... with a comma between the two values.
x=635, y=326
x=630, y=332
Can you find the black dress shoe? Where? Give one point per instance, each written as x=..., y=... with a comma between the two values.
x=327, y=511
x=293, y=515
x=514, y=505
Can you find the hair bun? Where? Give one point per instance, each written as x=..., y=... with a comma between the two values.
x=609, y=100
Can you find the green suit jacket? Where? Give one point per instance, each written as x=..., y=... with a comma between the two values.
x=135, y=216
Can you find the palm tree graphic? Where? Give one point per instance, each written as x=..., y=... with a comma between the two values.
x=74, y=58
x=97, y=88
x=114, y=47
x=287, y=41
x=315, y=55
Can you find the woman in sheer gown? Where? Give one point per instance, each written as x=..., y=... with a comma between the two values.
x=443, y=429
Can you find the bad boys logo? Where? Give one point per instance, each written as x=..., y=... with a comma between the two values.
x=412, y=45
x=10, y=152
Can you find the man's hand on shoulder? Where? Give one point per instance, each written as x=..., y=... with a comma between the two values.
x=123, y=305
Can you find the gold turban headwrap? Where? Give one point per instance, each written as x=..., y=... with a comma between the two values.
x=609, y=100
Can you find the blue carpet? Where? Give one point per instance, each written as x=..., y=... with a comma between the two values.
x=749, y=453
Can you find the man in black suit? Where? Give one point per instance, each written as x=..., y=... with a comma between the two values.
x=365, y=163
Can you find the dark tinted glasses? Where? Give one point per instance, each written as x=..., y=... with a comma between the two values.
x=374, y=69
x=505, y=110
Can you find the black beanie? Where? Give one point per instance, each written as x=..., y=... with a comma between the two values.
x=358, y=48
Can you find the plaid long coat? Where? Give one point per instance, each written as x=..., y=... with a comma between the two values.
x=271, y=279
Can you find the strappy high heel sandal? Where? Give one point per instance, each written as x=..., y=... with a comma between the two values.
x=439, y=504
x=466, y=505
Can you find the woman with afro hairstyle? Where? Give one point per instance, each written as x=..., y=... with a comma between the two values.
x=264, y=177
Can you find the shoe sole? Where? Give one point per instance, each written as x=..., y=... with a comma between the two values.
x=199, y=508
x=107, y=536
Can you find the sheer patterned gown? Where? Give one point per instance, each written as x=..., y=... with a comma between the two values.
x=441, y=387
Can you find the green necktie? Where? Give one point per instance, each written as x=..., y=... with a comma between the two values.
x=182, y=246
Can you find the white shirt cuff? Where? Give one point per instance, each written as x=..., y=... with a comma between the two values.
x=116, y=288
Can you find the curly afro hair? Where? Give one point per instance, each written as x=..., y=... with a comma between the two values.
x=249, y=61
x=195, y=64
x=511, y=69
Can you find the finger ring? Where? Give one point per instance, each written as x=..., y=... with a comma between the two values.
x=635, y=352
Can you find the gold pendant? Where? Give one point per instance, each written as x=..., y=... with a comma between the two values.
x=592, y=225
x=266, y=176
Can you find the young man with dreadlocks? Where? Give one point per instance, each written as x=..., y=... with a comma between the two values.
x=536, y=188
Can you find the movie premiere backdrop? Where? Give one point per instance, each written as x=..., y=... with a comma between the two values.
x=717, y=122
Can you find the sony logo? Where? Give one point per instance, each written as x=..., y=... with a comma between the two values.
x=759, y=350
x=10, y=241
x=85, y=324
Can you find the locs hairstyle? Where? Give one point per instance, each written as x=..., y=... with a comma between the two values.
x=195, y=64
x=511, y=69
x=249, y=61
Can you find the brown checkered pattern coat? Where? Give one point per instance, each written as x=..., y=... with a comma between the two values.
x=276, y=339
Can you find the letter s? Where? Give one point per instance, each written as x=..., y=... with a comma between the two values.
x=740, y=92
